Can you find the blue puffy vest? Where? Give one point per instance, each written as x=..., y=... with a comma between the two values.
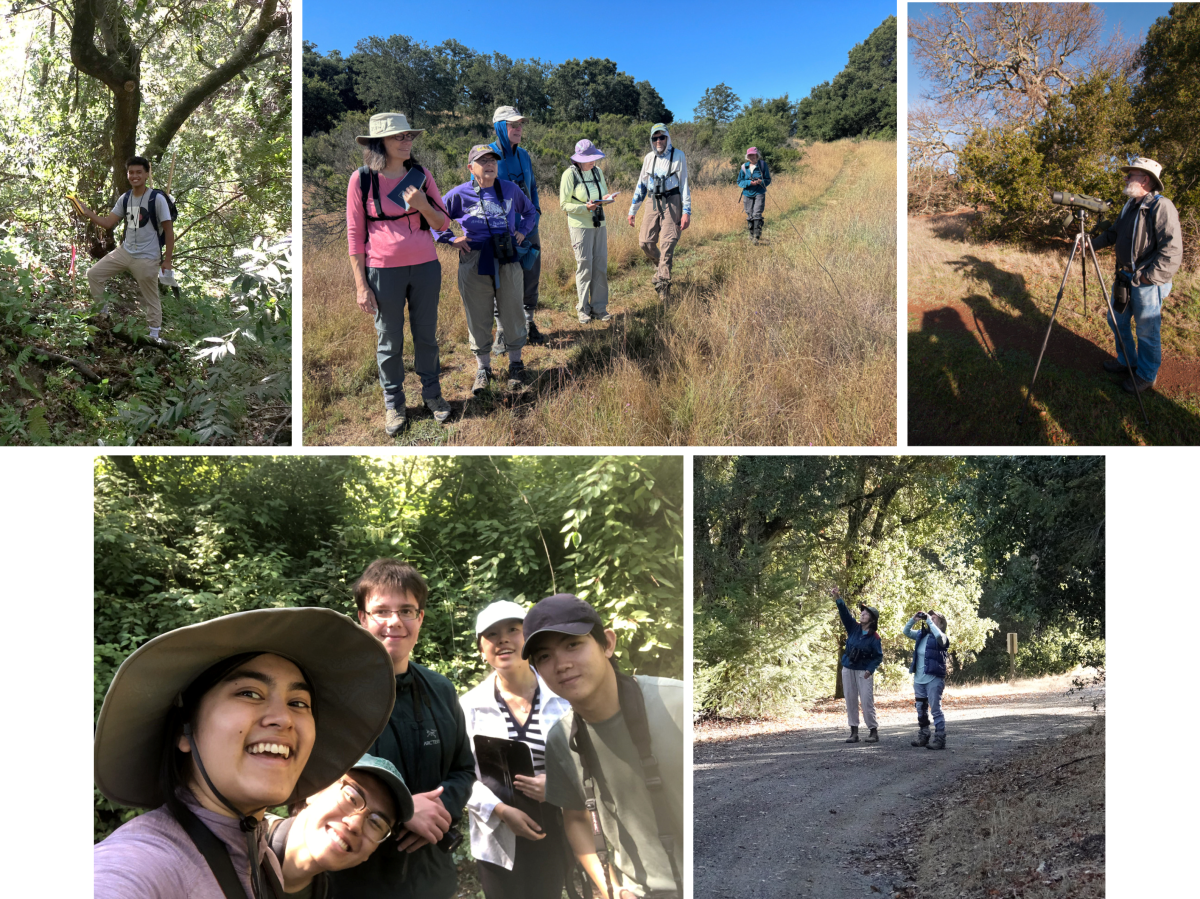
x=935, y=656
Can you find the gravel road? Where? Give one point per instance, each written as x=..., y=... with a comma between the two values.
x=799, y=814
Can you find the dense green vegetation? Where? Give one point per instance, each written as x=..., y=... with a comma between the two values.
x=861, y=100
x=996, y=544
x=183, y=539
x=203, y=91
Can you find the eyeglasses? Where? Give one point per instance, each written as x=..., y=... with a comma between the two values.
x=351, y=802
x=383, y=616
x=407, y=135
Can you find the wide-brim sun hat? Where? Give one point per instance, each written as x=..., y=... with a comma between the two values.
x=353, y=681
x=586, y=151
x=385, y=124
x=1150, y=167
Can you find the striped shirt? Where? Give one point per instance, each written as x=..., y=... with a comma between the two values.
x=530, y=733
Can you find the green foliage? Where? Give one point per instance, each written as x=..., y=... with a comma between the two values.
x=181, y=539
x=719, y=105
x=584, y=91
x=861, y=100
x=764, y=130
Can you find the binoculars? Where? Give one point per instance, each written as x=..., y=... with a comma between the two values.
x=503, y=248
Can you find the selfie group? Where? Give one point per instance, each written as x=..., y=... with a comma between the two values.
x=298, y=752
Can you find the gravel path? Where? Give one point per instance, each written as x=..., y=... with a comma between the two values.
x=794, y=814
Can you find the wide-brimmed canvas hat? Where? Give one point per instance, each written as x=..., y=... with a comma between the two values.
x=1150, y=167
x=393, y=780
x=385, y=124
x=354, y=689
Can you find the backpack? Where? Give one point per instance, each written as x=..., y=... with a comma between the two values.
x=152, y=209
x=368, y=184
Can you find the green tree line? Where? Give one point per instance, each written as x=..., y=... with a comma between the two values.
x=183, y=539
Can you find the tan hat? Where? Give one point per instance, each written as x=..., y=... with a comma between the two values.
x=385, y=124
x=1150, y=167
x=354, y=689
x=507, y=114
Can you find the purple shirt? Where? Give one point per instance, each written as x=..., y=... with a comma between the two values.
x=464, y=206
x=152, y=857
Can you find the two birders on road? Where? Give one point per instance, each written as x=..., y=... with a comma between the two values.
x=929, y=675
x=146, y=243
x=753, y=178
x=664, y=181
x=862, y=655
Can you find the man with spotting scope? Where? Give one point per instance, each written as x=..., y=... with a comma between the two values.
x=1149, y=250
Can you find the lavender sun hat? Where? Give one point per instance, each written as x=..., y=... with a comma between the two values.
x=585, y=151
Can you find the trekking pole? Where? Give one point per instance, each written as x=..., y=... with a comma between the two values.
x=810, y=252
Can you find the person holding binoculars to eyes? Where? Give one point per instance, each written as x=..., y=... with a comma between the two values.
x=495, y=217
x=929, y=675
x=863, y=654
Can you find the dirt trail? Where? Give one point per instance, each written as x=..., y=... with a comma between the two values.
x=796, y=814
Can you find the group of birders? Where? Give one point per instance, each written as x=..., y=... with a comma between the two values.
x=395, y=214
x=297, y=752
x=863, y=654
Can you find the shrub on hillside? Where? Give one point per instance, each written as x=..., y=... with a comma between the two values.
x=764, y=131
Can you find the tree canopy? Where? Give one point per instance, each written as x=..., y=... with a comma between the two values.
x=861, y=99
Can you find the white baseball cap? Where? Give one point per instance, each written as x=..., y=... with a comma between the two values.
x=502, y=610
x=507, y=114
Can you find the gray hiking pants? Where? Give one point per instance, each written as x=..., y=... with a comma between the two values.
x=480, y=297
x=591, y=269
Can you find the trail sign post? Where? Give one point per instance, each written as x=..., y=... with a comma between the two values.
x=1012, y=657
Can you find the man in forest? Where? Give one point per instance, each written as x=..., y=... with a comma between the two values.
x=146, y=245
x=426, y=739
x=516, y=166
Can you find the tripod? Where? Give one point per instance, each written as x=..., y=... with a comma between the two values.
x=1081, y=240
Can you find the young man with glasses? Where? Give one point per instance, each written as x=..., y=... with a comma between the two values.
x=340, y=827
x=426, y=739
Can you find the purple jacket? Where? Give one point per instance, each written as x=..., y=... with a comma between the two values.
x=462, y=204
x=152, y=857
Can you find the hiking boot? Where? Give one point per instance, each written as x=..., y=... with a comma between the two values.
x=535, y=337
x=518, y=377
x=663, y=288
x=922, y=738
x=482, y=376
x=1137, y=384
x=938, y=741
x=585, y=318
x=873, y=736
x=1113, y=367
x=439, y=407
x=602, y=317
x=394, y=421
x=853, y=738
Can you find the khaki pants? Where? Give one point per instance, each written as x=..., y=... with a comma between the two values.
x=480, y=297
x=859, y=689
x=660, y=233
x=591, y=269
x=144, y=271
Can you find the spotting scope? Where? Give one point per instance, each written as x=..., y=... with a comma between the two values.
x=1062, y=198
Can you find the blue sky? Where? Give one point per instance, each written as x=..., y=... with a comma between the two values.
x=759, y=49
x=1134, y=20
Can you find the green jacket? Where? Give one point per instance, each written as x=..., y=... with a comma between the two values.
x=574, y=193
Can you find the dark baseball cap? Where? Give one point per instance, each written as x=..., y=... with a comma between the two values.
x=562, y=613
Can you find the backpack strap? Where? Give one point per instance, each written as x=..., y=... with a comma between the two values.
x=581, y=743
x=212, y=849
x=124, y=203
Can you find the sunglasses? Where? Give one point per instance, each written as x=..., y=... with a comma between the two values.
x=658, y=137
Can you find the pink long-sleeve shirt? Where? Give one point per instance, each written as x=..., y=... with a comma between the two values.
x=393, y=243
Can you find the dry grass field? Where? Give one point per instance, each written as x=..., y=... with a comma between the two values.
x=977, y=315
x=790, y=343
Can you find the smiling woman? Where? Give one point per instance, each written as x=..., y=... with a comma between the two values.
x=214, y=723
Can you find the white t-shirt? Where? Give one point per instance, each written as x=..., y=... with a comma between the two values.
x=140, y=239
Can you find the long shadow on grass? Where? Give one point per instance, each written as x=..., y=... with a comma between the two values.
x=967, y=379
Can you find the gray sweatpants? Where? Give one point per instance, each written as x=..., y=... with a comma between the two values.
x=591, y=269
x=480, y=297
x=754, y=206
x=859, y=689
